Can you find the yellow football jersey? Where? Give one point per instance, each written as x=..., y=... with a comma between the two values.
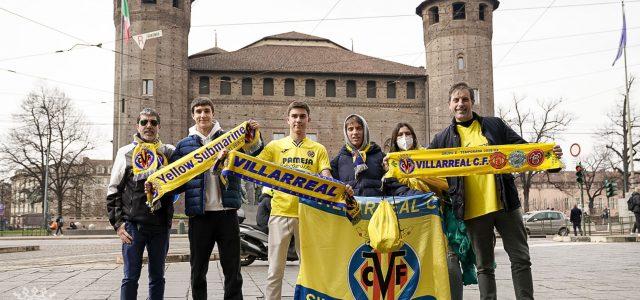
x=480, y=194
x=307, y=155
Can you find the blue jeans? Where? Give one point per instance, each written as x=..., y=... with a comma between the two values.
x=156, y=240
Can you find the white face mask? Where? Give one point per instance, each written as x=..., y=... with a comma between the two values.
x=405, y=142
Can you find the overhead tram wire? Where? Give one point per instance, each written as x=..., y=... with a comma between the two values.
x=270, y=71
x=173, y=66
x=525, y=32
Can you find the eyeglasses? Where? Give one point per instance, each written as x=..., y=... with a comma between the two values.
x=154, y=123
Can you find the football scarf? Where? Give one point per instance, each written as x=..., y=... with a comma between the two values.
x=199, y=161
x=479, y=160
x=145, y=158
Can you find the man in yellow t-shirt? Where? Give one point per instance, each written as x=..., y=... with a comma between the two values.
x=488, y=201
x=299, y=152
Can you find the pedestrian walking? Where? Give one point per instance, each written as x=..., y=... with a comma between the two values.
x=576, y=219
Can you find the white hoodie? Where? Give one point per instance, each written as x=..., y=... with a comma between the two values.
x=213, y=194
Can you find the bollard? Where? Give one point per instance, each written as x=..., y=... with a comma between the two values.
x=181, y=227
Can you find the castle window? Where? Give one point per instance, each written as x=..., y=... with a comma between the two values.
x=289, y=87
x=458, y=11
x=330, y=88
x=351, y=89
x=267, y=87
x=476, y=96
x=225, y=85
x=434, y=15
x=176, y=3
x=411, y=90
x=247, y=86
x=460, y=62
x=310, y=88
x=313, y=136
x=391, y=89
x=203, y=87
x=481, y=10
x=149, y=1
x=371, y=89
x=147, y=87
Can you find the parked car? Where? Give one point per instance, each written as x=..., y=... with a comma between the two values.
x=547, y=222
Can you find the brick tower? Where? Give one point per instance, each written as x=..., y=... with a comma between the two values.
x=457, y=39
x=155, y=76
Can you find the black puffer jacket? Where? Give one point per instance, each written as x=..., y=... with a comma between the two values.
x=370, y=180
x=497, y=133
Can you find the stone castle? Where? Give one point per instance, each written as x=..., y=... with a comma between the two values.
x=259, y=80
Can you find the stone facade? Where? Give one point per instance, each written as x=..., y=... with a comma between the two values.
x=458, y=50
x=176, y=81
x=163, y=60
x=327, y=113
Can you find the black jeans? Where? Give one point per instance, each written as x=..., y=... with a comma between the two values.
x=636, y=225
x=514, y=240
x=576, y=225
x=205, y=231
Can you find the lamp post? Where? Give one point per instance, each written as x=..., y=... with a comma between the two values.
x=45, y=209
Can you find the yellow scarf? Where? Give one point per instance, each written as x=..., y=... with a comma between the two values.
x=199, y=161
x=497, y=159
x=291, y=181
x=146, y=159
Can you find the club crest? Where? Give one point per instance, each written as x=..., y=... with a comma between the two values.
x=535, y=157
x=498, y=160
x=144, y=159
x=407, y=165
x=517, y=158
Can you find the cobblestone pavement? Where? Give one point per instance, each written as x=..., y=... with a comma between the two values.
x=85, y=269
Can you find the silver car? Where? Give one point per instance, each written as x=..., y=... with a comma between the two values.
x=547, y=222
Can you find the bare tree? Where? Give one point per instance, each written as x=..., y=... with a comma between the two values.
x=596, y=163
x=615, y=134
x=48, y=123
x=540, y=125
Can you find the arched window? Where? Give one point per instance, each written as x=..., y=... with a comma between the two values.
x=458, y=11
x=371, y=89
x=434, y=15
x=267, y=87
x=330, y=88
x=176, y=3
x=247, y=86
x=481, y=11
x=310, y=88
x=289, y=87
x=225, y=85
x=351, y=89
x=203, y=87
x=391, y=89
x=460, y=62
x=411, y=90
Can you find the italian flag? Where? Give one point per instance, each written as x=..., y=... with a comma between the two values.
x=126, y=22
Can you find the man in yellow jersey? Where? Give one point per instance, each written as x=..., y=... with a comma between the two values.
x=299, y=152
x=488, y=201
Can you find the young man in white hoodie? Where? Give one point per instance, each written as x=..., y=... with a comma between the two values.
x=212, y=207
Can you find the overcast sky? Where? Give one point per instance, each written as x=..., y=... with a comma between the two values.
x=565, y=51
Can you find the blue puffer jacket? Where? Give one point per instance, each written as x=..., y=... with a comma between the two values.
x=194, y=190
x=370, y=180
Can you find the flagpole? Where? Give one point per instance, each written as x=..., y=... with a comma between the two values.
x=628, y=106
x=121, y=104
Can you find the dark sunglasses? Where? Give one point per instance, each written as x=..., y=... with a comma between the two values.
x=154, y=123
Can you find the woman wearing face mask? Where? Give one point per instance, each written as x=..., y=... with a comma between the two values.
x=404, y=138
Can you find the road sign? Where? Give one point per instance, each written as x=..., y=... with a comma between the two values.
x=574, y=150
